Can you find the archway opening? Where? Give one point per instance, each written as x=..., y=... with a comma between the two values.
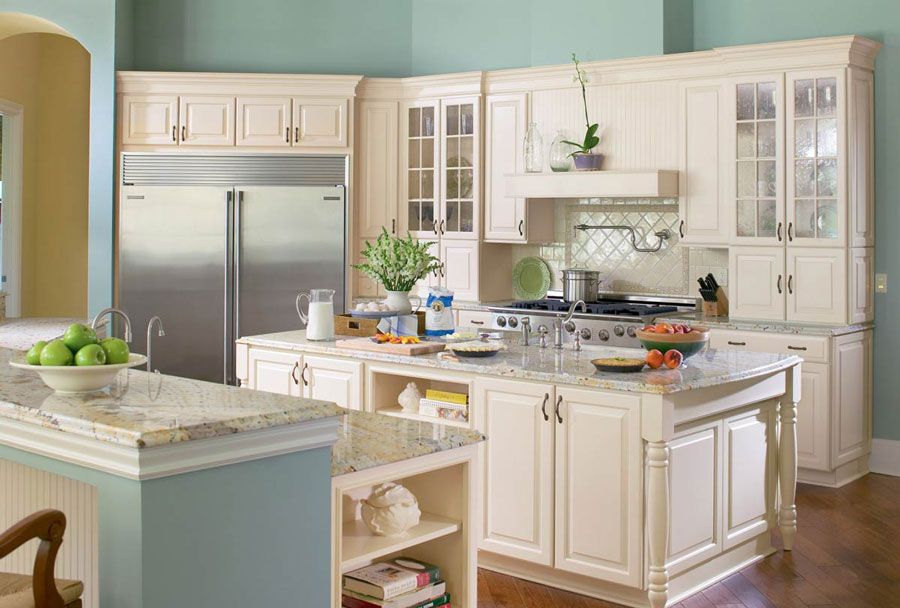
x=44, y=109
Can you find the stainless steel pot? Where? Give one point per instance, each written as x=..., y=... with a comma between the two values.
x=579, y=284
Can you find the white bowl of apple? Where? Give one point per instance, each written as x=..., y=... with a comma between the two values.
x=79, y=362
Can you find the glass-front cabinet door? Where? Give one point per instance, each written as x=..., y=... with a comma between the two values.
x=758, y=161
x=420, y=203
x=816, y=208
x=460, y=187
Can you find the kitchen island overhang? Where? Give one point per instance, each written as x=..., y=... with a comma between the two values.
x=184, y=493
x=639, y=489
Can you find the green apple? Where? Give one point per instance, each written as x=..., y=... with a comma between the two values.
x=56, y=353
x=33, y=356
x=116, y=350
x=78, y=336
x=91, y=354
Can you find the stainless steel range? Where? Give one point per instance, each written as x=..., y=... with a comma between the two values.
x=610, y=321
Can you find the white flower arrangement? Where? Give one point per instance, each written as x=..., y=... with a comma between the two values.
x=397, y=263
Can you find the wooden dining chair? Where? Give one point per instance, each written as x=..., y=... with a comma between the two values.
x=41, y=589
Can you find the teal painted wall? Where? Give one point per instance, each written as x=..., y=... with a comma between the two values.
x=335, y=37
x=92, y=23
x=728, y=22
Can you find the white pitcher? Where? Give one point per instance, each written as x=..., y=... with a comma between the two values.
x=320, y=320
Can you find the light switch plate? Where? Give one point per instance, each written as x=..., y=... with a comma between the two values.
x=880, y=283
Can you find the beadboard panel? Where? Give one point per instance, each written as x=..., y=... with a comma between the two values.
x=26, y=490
x=638, y=121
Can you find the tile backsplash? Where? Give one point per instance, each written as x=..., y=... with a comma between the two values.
x=671, y=271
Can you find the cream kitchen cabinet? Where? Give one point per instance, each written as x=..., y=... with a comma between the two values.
x=377, y=158
x=510, y=219
x=320, y=122
x=518, y=476
x=149, y=119
x=309, y=376
x=206, y=120
x=460, y=272
x=705, y=214
x=473, y=320
x=599, y=481
x=264, y=121
x=834, y=413
x=300, y=122
x=756, y=283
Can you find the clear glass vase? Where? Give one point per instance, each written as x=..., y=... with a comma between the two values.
x=560, y=153
x=534, y=150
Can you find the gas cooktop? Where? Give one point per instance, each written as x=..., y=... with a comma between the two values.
x=605, y=308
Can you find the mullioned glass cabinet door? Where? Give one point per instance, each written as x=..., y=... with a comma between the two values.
x=419, y=185
x=816, y=192
x=758, y=160
x=460, y=137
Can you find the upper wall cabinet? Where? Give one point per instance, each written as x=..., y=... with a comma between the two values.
x=376, y=172
x=259, y=111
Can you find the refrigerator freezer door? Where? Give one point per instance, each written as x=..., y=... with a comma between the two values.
x=173, y=255
x=288, y=239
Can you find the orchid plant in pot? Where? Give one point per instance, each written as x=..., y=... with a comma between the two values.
x=398, y=264
x=585, y=158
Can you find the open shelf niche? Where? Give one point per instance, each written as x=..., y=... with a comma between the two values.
x=385, y=383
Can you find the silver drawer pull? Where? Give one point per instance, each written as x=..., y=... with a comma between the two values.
x=737, y=343
x=796, y=347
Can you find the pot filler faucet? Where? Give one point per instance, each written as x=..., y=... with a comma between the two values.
x=111, y=312
x=562, y=322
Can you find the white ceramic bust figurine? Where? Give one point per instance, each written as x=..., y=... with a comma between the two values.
x=390, y=510
x=409, y=398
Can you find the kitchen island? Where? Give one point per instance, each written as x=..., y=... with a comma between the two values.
x=640, y=488
x=177, y=492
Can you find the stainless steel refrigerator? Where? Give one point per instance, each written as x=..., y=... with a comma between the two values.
x=217, y=261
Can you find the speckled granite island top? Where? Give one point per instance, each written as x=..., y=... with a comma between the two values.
x=367, y=440
x=775, y=327
x=711, y=368
x=149, y=409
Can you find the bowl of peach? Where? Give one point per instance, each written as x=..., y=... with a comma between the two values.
x=664, y=337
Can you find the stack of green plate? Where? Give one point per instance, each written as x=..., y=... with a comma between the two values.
x=531, y=279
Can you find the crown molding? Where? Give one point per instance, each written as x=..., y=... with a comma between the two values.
x=236, y=83
x=419, y=87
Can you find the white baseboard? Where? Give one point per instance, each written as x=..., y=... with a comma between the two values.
x=885, y=457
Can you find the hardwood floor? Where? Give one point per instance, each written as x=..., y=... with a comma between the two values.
x=846, y=555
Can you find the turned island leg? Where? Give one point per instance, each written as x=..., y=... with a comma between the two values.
x=787, y=459
x=658, y=521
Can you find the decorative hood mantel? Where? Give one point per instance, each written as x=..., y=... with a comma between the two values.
x=594, y=184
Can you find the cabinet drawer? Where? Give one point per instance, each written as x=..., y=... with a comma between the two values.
x=813, y=349
x=474, y=319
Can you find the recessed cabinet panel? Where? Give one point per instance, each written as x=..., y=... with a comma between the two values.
x=756, y=282
x=862, y=284
x=704, y=216
x=861, y=157
x=320, y=122
x=813, y=440
x=460, y=260
x=695, y=480
x=518, y=468
x=598, y=486
x=264, y=121
x=333, y=380
x=504, y=141
x=149, y=120
x=851, y=415
x=206, y=120
x=817, y=285
x=274, y=372
x=377, y=174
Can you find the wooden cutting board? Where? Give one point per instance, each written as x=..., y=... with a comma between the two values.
x=366, y=344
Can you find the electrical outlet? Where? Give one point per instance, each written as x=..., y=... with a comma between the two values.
x=880, y=283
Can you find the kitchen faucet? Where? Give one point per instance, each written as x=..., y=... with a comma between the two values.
x=114, y=311
x=526, y=331
x=160, y=333
x=561, y=322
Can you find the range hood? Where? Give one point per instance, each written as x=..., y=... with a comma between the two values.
x=594, y=184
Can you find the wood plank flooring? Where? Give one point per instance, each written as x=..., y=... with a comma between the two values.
x=846, y=555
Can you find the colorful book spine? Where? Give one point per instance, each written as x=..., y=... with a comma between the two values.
x=447, y=396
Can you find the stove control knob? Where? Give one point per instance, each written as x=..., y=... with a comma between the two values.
x=501, y=321
x=585, y=334
x=630, y=331
x=603, y=335
x=619, y=330
x=513, y=322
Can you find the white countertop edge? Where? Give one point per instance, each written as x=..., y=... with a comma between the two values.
x=170, y=459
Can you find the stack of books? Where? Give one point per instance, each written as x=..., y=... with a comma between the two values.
x=445, y=404
x=403, y=582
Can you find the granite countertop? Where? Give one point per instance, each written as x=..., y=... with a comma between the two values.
x=367, y=440
x=566, y=366
x=778, y=327
x=145, y=410
x=20, y=334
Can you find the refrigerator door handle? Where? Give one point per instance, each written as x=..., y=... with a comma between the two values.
x=237, y=266
x=228, y=374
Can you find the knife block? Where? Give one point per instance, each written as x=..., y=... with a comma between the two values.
x=719, y=308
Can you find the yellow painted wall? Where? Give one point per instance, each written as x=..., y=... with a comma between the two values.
x=50, y=76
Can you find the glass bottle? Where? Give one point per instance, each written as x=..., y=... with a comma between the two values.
x=534, y=153
x=560, y=159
